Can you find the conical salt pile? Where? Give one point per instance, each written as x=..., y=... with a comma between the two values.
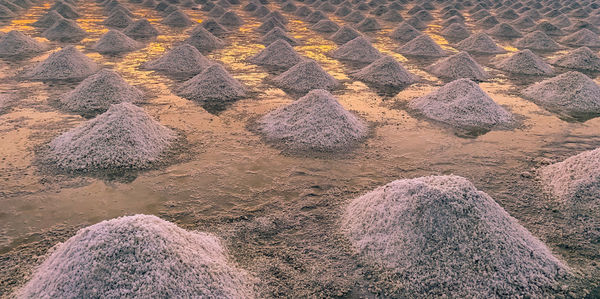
x=118, y=19
x=184, y=59
x=445, y=238
x=462, y=104
x=98, y=92
x=537, y=40
x=114, y=42
x=422, y=45
x=526, y=63
x=524, y=22
x=213, y=27
x=368, y=24
x=141, y=29
x=583, y=37
x=405, y=32
x=303, y=11
x=480, y=43
x=314, y=122
x=392, y=16
x=571, y=93
x=16, y=43
x=65, y=10
x=325, y=26
x=457, y=66
x=278, y=34
x=504, y=30
x=354, y=17
x=576, y=179
x=65, y=64
x=279, y=54
x=581, y=58
x=344, y=35
x=204, y=41
x=549, y=29
x=48, y=20
x=65, y=30
x=217, y=11
x=139, y=256
x=6, y=13
x=230, y=19
x=357, y=50
x=214, y=84
x=416, y=23
x=304, y=77
x=456, y=32
x=177, y=19
x=385, y=72
x=269, y=24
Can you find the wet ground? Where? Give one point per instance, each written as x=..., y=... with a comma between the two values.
x=278, y=212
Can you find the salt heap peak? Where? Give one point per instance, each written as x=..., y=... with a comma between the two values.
x=504, y=30
x=316, y=121
x=177, y=19
x=115, y=42
x=357, y=50
x=230, y=19
x=457, y=66
x=66, y=64
x=16, y=43
x=139, y=256
x=422, y=45
x=278, y=34
x=581, y=58
x=571, y=93
x=526, y=63
x=405, y=32
x=213, y=84
x=385, y=72
x=445, y=237
x=279, y=54
x=141, y=29
x=455, y=31
x=576, y=179
x=462, y=104
x=204, y=41
x=48, y=20
x=118, y=19
x=480, y=43
x=65, y=30
x=269, y=24
x=306, y=76
x=344, y=35
x=583, y=37
x=6, y=13
x=368, y=24
x=537, y=40
x=325, y=26
x=184, y=59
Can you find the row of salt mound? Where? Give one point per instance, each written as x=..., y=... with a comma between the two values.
x=581, y=58
x=385, y=72
x=141, y=29
x=457, y=66
x=184, y=59
x=203, y=40
x=138, y=256
x=304, y=77
x=16, y=43
x=357, y=50
x=526, y=63
x=278, y=54
x=115, y=42
x=66, y=64
x=65, y=30
x=213, y=85
x=444, y=237
x=314, y=122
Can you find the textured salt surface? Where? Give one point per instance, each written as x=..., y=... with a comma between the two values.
x=526, y=63
x=65, y=64
x=177, y=19
x=480, y=43
x=141, y=29
x=422, y=45
x=405, y=32
x=385, y=72
x=314, y=122
x=575, y=179
x=444, y=237
x=456, y=31
x=344, y=35
x=583, y=37
x=460, y=65
x=357, y=50
x=139, y=256
x=16, y=43
x=183, y=59
x=277, y=34
x=118, y=19
x=213, y=27
x=581, y=58
x=65, y=31
x=48, y=20
x=204, y=41
x=114, y=42
x=304, y=77
x=213, y=84
x=279, y=54
x=537, y=40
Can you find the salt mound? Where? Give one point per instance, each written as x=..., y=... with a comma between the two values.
x=422, y=45
x=118, y=19
x=203, y=40
x=213, y=27
x=217, y=11
x=392, y=16
x=6, y=13
x=48, y=20
x=357, y=50
x=289, y=7
x=279, y=54
x=462, y=104
x=549, y=28
x=457, y=66
x=526, y=63
x=488, y=22
x=583, y=37
x=304, y=77
x=314, y=122
x=504, y=30
x=456, y=31
x=303, y=11
x=65, y=10
x=138, y=256
x=183, y=59
x=141, y=29
x=480, y=43
x=230, y=19
x=213, y=84
x=278, y=34
x=114, y=42
x=325, y=26
x=446, y=238
x=17, y=43
x=98, y=92
x=315, y=16
x=354, y=17
x=177, y=19
x=524, y=22
x=344, y=35
x=65, y=30
x=278, y=16
x=385, y=72
x=368, y=24
x=417, y=23
x=576, y=178
x=405, y=32
x=582, y=58
x=342, y=11
x=571, y=93
x=537, y=40
x=65, y=64
x=269, y=24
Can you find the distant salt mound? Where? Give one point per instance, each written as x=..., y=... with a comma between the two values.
x=549, y=28
x=6, y=13
x=457, y=66
x=214, y=84
x=537, y=40
x=385, y=72
x=405, y=32
x=65, y=30
x=141, y=29
x=48, y=20
x=65, y=64
x=576, y=179
x=231, y=19
x=571, y=93
x=66, y=10
x=279, y=54
x=456, y=31
x=392, y=16
x=16, y=43
x=480, y=43
x=212, y=26
x=326, y=26
x=504, y=30
x=314, y=122
x=357, y=50
x=184, y=59
x=344, y=35
x=177, y=19
x=204, y=41
x=580, y=59
x=278, y=34
x=118, y=19
x=138, y=256
x=368, y=24
x=304, y=77
x=463, y=105
x=488, y=22
x=269, y=24
x=526, y=63
x=524, y=22
x=583, y=37
x=446, y=238
x=416, y=23
x=354, y=17
x=115, y=42
x=422, y=45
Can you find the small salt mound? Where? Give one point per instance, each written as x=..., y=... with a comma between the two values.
x=480, y=43
x=48, y=20
x=462, y=104
x=65, y=30
x=504, y=30
x=422, y=45
x=526, y=63
x=583, y=37
x=212, y=26
x=445, y=238
x=325, y=26
x=65, y=64
x=571, y=93
x=269, y=24
x=576, y=178
x=217, y=11
x=149, y=3
x=562, y=21
x=141, y=29
x=17, y=43
x=306, y=76
x=66, y=10
x=456, y=31
x=6, y=13
x=392, y=16
x=183, y=59
x=509, y=14
x=537, y=40
x=139, y=256
x=98, y=92
x=303, y=11
x=405, y=32
x=314, y=122
x=289, y=7
x=214, y=84
x=581, y=58
x=114, y=42
x=344, y=35
x=583, y=24
x=118, y=19
x=315, y=16
x=385, y=72
x=424, y=16
x=457, y=66
x=549, y=29
x=524, y=22
x=279, y=54
x=278, y=16
x=230, y=19
x=342, y=11
x=177, y=19
x=204, y=41
x=357, y=50
x=453, y=20
x=488, y=22
x=417, y=23
x=368, y=24
x=278, y=34
x=354, y=17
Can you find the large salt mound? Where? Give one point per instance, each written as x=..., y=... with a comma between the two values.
x=48, y=20
x=122, y=137
x=582, y=58
x=480, y=43
x=65, y=30
x=17, y=43
x=526, y=63
x=141, y=29
x=385, y=72
x=576, y=178
x=422, y=45
x=357, y=50
x=118, y=19
x=405, y=32
x=571, y=93
x=445, y=238
x=583, y=37
x=183, y=59
x=462, y=104
x=306, y=76
x=537, y=40
x=177, y=19
x=457, y=66
x=139, y=256
x=65, y=64
x=314, y=122
x=114, y=42
x=344, y=35
x=279, y=54
x=98, y=92
x=204, y=41
x=214, y=84
x=277, y=34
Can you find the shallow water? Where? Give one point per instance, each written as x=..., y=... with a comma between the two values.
x=230, y=180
